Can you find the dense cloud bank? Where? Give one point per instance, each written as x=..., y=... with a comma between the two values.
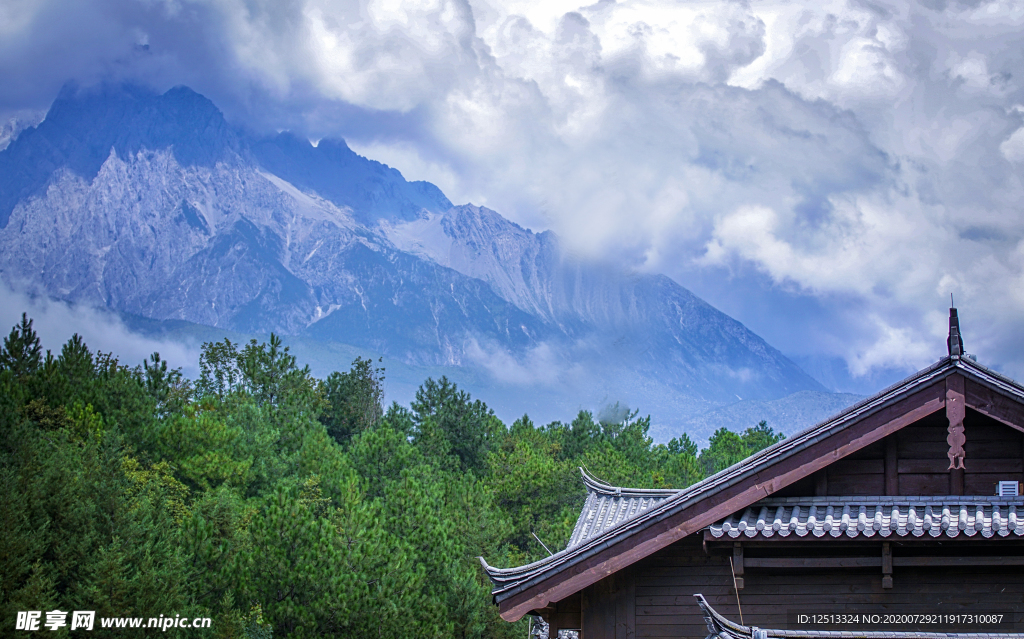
x=55, y=321
x=827, y=172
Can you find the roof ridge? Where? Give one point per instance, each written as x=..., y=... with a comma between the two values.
x=595, y=485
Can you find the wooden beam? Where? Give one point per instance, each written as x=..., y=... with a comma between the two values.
x=956, y=411
x=813, y=562
x=886, y=565
x=590, y=619
x=878, y=562
x=956, y=481
x=625, y=605
x=718, y=505
x=958, y=561
x=892, y=478
x=737, y=563
x=821, y=483
x=999, y=407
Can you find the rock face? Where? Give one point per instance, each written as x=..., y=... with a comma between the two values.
x=153, y=205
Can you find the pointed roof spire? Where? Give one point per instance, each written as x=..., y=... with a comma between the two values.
x=954, y=342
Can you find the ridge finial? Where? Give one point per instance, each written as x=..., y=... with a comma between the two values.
x=954, y=343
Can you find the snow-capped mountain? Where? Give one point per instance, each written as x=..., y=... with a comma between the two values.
x=153, y=205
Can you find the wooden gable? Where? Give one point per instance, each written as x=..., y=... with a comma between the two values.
x=915, y=459
x=900, y=442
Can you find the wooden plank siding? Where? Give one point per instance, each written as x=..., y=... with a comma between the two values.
x=609, y=607
x=665, y=582
x=913, y=461
x=994, y=453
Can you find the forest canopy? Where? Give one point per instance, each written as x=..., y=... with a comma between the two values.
x=279, y=504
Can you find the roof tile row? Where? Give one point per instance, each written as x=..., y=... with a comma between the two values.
x=945, y=516
x=608, y=506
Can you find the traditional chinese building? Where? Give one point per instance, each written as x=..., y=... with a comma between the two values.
x=905, y=503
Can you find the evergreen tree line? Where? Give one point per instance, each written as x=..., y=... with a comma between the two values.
x=279, y=504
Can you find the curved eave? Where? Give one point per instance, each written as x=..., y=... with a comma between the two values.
x=596, y=489
x=596, y=486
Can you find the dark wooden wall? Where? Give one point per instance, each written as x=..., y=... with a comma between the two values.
x=609, y=607
x=913, y=461
x=655, y=597
x=666, y=582
x=994, y=452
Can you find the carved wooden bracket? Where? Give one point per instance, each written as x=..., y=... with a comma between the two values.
x=956, y=410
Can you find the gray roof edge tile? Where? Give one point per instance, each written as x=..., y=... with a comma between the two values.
x=902, y=516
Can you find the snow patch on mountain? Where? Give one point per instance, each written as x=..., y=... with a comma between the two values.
x=425, y=237
x=310, y=206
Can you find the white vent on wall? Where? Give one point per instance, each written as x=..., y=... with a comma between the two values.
x=1009, y=489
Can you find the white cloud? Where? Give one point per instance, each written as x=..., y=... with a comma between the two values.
x=1013, y=148
x=862, y=155
x=55, y=322
x=864, y=244
x=867, y=69
x=972, y=69
x=538, y=365
x=893, y=346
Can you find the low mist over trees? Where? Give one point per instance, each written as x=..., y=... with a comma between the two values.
x=279, y=504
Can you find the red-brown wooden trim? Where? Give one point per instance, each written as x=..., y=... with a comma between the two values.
x=713, y=507
x=956, y=411
x=999, y=407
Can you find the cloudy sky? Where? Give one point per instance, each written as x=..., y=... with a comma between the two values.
x=827, y=172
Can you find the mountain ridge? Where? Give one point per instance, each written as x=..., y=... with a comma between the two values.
x=187, y=218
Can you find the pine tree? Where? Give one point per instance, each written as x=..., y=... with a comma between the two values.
x=353, y=400
x=21, y=353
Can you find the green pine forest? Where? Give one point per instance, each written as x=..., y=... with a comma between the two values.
x=281, y=505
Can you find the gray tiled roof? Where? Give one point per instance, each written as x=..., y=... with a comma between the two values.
x=608, y=506
x=870, y=516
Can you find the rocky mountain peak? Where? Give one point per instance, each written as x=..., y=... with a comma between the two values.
x=154, y=206
x=85, y=125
